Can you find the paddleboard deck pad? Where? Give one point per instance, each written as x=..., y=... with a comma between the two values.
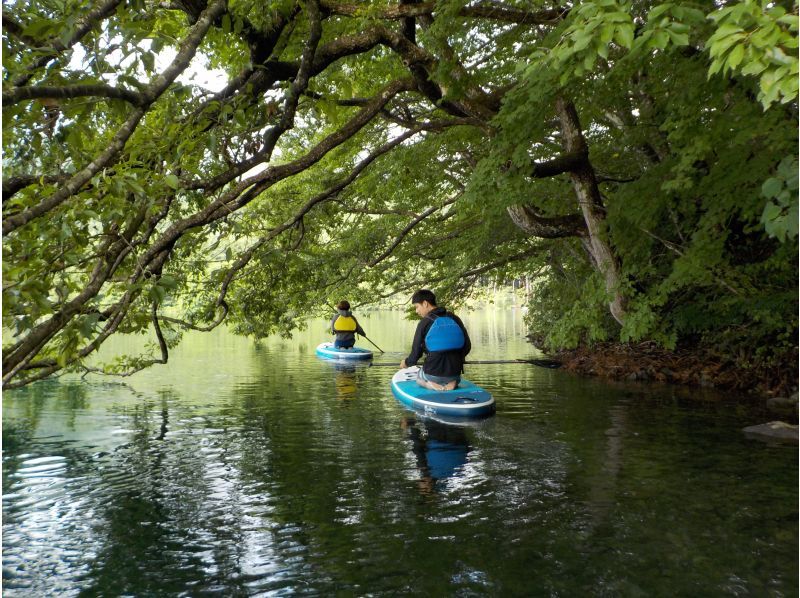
x=468, y=400
x=328, y=351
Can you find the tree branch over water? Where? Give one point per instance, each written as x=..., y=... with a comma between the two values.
x=149, y=95
x=320, y=163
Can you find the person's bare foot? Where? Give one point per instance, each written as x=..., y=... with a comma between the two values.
x=438, y=387
x=445, y=387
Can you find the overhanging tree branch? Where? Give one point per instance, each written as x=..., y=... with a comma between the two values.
x=408, y=228
x=14, y=184
x=82, y=27
x=326, y=195
x=150, y=94
x=72, y=91
x=566, y=162
x=486, y=10
x=153, y=259
x=162, y=345
x=475, y=271
x=544, y=227
x=236, y=197
x=113, y=251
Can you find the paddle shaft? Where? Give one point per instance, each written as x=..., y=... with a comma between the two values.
x=540, y=362
x=374, y=345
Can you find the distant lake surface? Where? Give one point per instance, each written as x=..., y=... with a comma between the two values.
x=244, y=469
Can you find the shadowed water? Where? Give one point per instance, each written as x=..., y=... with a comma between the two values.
x=243, y=470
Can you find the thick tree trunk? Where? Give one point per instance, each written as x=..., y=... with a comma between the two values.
x=585, y=185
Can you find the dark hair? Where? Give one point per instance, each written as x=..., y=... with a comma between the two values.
x=343, y=305
x=423, y=295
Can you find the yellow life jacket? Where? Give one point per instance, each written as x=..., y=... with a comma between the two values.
x=345, y=324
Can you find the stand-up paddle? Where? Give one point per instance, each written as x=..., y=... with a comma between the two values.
x=373, y=344
x=542, y=363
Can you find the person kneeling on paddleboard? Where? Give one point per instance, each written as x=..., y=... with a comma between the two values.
x=444, y=340
x=345, y=326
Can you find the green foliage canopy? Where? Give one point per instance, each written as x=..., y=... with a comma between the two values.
x=638, y=160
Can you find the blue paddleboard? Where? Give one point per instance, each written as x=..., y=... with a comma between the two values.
x=328, y=351
x=468, y=400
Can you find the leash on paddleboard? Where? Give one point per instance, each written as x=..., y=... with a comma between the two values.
x=373, y=344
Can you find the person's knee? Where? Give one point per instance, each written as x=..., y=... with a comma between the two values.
x=423, y=382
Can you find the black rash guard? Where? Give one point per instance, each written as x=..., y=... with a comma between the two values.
x=438, y=363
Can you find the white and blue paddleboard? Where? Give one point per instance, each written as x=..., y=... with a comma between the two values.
x=328, y=351
x=468, y=400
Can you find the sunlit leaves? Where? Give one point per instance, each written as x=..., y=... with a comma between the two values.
x=757, y=39
x=594, y=25
x=669, y=24
x=746, y=37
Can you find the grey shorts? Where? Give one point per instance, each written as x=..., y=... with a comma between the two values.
x=437, y=379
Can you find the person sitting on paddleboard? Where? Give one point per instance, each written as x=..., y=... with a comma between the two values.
x=345, y=326
x=444, y=340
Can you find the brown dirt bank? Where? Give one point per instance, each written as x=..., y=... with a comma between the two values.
x=688, y=366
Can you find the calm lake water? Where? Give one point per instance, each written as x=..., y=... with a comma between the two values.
x=245, y=470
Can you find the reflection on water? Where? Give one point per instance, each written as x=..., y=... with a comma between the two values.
x=440, y=450
x=347, y=378
x=249, y=470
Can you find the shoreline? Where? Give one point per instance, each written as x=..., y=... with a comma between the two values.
x=649, y=362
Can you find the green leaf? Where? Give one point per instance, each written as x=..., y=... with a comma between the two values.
x=693, y=16
x=65, y=35
x=157, y=293
x=173, y=181
x=148, y=61
x=735, y=57
x=606, y=33
x=134, y=184
x=38, y=28
x=771, y=187
x=581, y=41
x=168, y=281
x=624, y=35
x=788, y=170
x=753, y=67
x=660, y=39
x=659, y=10
x=720, y=46
x=679, y=39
